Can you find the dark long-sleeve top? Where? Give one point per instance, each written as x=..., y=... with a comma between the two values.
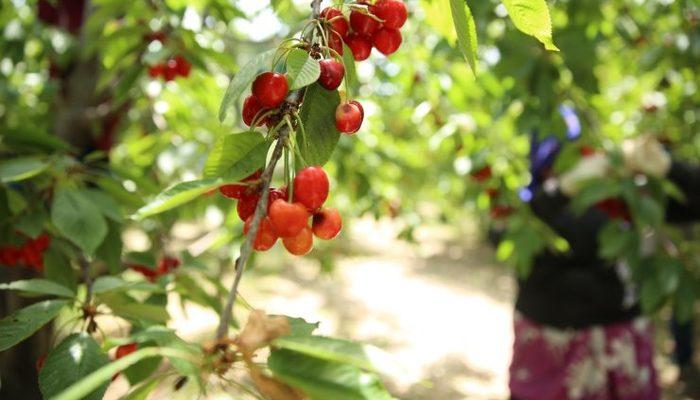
x=579, y=289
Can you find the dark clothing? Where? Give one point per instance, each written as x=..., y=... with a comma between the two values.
x=579, y=289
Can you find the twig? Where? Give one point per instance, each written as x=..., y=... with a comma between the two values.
x=85, y=268
x=260, y=210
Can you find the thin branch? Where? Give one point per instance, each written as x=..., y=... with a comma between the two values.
x=87, y=278
x=260, y=209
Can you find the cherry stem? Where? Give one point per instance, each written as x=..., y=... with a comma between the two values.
x=260, y=211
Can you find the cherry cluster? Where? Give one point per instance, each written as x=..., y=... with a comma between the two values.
x=497, y=210
x=165, y=266
x=371, y=25
x=171, y=69
x=30, y=254
x=288, y=218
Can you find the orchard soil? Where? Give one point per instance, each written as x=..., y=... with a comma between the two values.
x=442, y=308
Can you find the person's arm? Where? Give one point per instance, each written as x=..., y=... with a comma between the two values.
x=687, y=178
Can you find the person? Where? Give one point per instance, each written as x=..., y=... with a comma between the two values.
x=579, y=333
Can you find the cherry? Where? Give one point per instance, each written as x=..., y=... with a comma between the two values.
x=500, y=211
x=274, y=195
x=156, y=70
x=362, y=110
x=288, y=219
x=170, y=71
x=246, y=205
x=156, y=35
x=482, y=174
x=339, y=23
x=387, y=40
x=492, y=193
x=335, y=42
x=167, y=264
x=126, y=349
x=614, y=208
x=40, y=362
x=311, y=187
x=586, y=151
x=364, y=24
x=360, y=45
x=327, y=223
x=393, y=12
x=251, y=108
x=182, y=66
x=235, y=191
x=301, y=243
x=265, y=238
x=270, y=88
x=332, y=72
x=149, y=273
x=348, y=117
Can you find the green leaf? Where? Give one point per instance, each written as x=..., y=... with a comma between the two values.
x=615, y=241
x=32, y=222
x=175, y=196
x=93, y=382
x=110, y=252
x=78, y=219
x=23, y=323
x=350, y=71
x=38, y=286
x=323, y=380
x=300, y=327
x=592, y=192
x=105, y=203
x=142, y=391
x=73, y=359
x=106, y=284
x=343, y=351
x=165, y=337
x=532, y=18
x=318, y=115
x=18, y=169
x=131, y=309
x=466, y=30
x=302, y=70
x=242, y=80
x=651, y=295
x=236, y=156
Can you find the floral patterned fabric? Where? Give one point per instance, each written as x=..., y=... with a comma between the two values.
x=611, y=362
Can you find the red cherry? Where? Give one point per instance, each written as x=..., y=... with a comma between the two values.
x=235, y=191
x=364, y=24
x=339, y=23
x=492, y=192
x=301, y=243
x=335, y=42
x=156, y=70
x=167, y=264
x=311, y=187
x=393, y=12
x=499, y=211
x=482, y=174
x=126, y=349
x=288, y=219
x=265, y=238
x=332, y=72
x=10, y=255
x=387, y=40
x=327, y=223
x=182, y=66
x=270, y=88
x=42, y=242
x=40, y=362
x=360, y=45
x=149, y=273
x=246, y=205
x=362, y=110
x=274, y=195
x=251, y=108
x=586, y=151
x=170, y=70
x=348, y=117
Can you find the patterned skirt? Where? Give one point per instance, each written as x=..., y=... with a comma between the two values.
x=610, y=362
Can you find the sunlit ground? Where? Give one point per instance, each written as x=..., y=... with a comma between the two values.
x=442, y=308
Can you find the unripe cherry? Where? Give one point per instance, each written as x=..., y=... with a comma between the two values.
x=246, y=205
x=393, y=12
x=327, y=223
x=348, y=117
x=360, y=45
x=288, y=219
x=251, y=108
x=364, y=24
x=387, y=40
x=301, y=243
x=270, y=88
x=339, y=24
x=126, y=349
x=265, y=238
x=332, y=72
x=311, y=187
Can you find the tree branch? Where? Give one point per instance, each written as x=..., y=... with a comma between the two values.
x=260, y=210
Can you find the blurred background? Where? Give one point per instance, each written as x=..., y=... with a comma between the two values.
x=413, y=271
